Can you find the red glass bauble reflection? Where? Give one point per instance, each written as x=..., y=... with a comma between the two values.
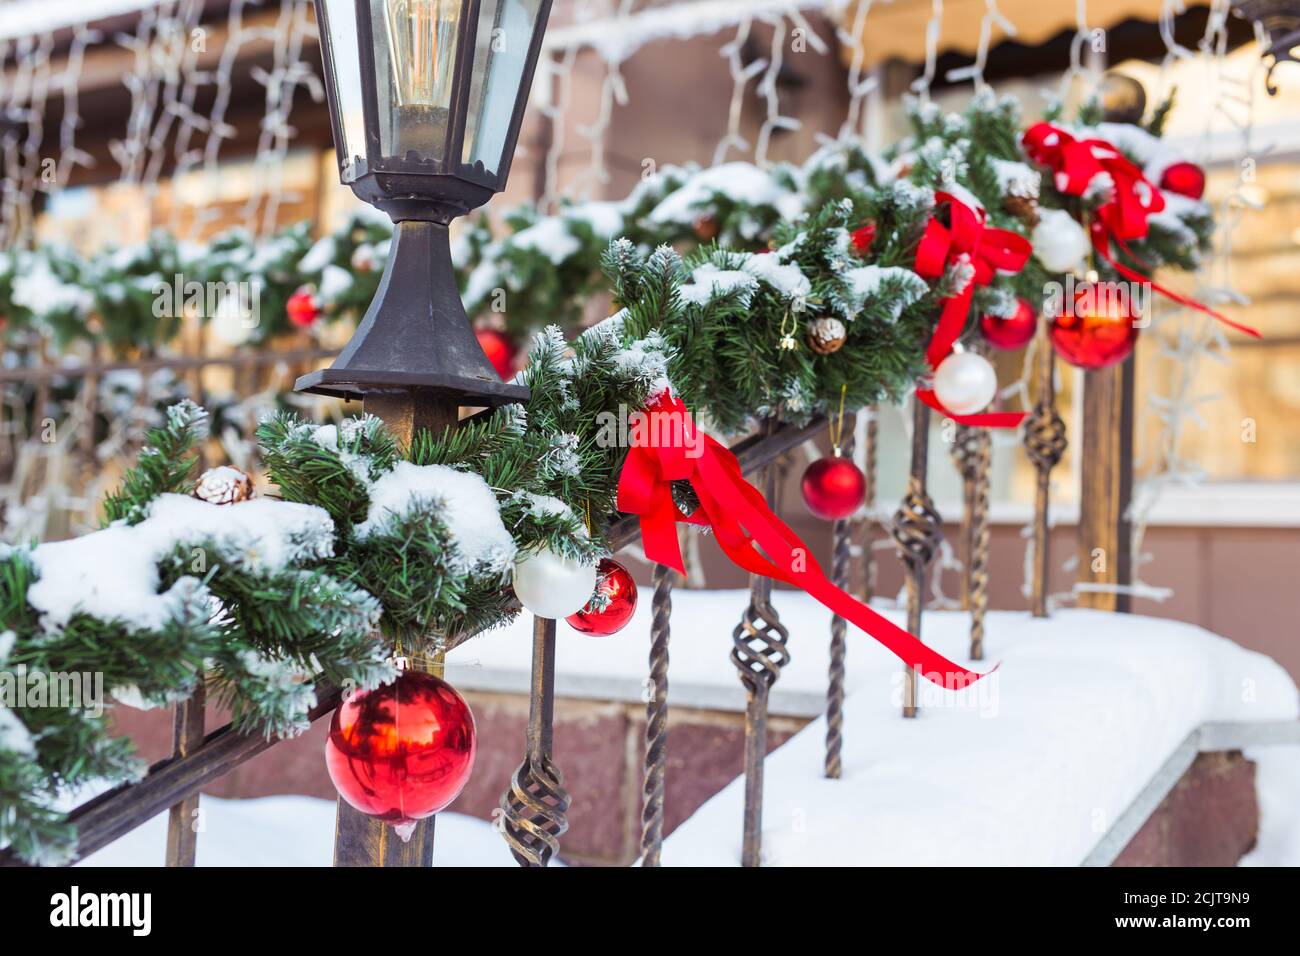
x=1185, y=179
x=500, y=351
x=614, y=602
x=1010, y=332
x=403, y=751
x=1093, y=336
x=833, y=488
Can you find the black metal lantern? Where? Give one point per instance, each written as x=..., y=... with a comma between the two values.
x=1280, y=20
x=426, y=98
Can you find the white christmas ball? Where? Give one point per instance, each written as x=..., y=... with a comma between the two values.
x=965, y=383
x=552, y=586
x=234, y=321
x=1060, y=243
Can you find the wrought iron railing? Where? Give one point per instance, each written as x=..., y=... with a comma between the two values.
x=535, y=803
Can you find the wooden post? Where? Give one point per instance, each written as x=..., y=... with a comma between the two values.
x=361, y=840
x=1106, y=488
x=187, y=736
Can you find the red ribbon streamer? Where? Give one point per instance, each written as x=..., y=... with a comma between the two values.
x=743, y=523
x=1123, y=216
x=988, y=251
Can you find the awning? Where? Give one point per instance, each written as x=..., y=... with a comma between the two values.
x=892, y=29
x=897, y=30
x=23, y=18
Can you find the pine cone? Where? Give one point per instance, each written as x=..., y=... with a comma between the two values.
x=223, y=486
x=1024, y=208
x=826, y=335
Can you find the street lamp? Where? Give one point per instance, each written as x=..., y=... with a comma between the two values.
x=1280, y=20
x=426, y=98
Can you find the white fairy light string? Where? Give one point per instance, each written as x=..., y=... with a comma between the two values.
x=741, y=74
x=613, y=91
x=166, y=75
x=167, y=72
x=861, y=83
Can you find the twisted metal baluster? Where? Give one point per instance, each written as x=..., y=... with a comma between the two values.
x=918, y=533
x=965, y=452
x=978, y=558
x=841, y=569
x=656, y=720
x=535, y=803
x=867, y=532
x=1045, y=443
x=758, y=653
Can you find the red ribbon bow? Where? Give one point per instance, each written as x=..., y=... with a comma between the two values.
x=1123, y=216
x=744, y=524
x=965, y=238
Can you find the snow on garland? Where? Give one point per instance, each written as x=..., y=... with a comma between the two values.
x=369, y=542
x=113, y=575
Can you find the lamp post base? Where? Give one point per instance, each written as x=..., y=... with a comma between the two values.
x=416, y=336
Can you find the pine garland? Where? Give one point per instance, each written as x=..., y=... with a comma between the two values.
x=550, y=265
x=366, y=549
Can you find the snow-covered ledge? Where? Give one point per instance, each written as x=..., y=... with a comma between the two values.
x=1054, y=760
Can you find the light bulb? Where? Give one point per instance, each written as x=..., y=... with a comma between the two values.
x=422, y=45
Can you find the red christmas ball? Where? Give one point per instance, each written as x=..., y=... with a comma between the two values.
x=612, y=605
x=303, y=309
x=500, y=351
x=863, y=237
x=403, y=751
x=1186, y=179
x=833, y=488
x=1010, y=332
x=1093, y=333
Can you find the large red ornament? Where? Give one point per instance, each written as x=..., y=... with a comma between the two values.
x=1010, y=332
x=403, y=751
x=302, y=307
x=833, y=488
x=500, y=351
x=614, y=602
x=1185, y=179
x=1093, y=335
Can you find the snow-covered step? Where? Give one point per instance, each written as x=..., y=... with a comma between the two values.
x=1033, y=766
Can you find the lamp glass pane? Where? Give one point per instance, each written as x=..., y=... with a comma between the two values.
x=345, y=60
x=505, y=32
x=415, y=65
